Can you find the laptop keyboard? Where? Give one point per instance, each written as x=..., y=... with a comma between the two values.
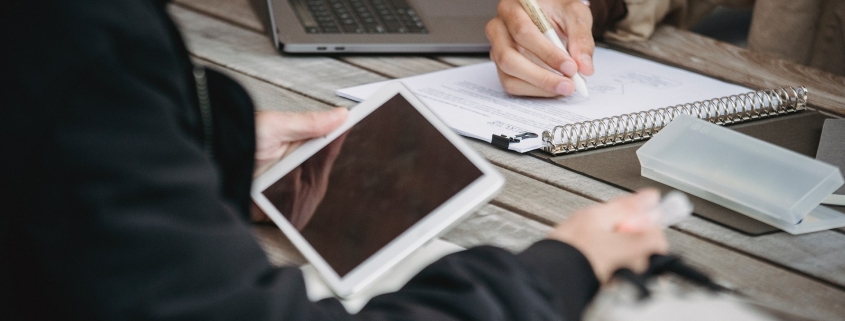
x=358, y=16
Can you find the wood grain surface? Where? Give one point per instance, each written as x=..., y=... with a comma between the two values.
x=267, y=96
x=803, y=275
x=248, y=14
x=396, y=66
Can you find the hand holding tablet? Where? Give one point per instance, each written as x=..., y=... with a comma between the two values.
x=357, y=201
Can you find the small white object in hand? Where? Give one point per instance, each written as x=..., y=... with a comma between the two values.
x=673, y=208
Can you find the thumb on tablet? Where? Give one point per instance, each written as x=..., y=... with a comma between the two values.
x=278, y=133
x=299, y=126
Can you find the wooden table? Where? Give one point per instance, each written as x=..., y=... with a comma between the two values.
x=802, y=275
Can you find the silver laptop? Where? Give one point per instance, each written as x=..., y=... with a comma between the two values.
x=381, y=26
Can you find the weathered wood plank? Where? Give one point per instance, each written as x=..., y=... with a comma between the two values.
x=536, y=200
x=765, y=283
x=546, y=172
x=819, y=255
x=252, y=54
x=463, y=60
x=240, y=12
x=492, y=225
x=741, y=66
x=267, y=96
x=396, y=66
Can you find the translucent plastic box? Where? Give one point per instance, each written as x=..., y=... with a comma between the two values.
x=764, y=181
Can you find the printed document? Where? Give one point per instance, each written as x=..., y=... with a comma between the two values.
x=472, y=102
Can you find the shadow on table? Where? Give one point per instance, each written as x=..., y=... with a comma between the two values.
x=260, y=9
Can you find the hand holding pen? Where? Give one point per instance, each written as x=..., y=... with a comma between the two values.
x=595, y=232
x=625, y=232
x=530, y=63
x=672, y=209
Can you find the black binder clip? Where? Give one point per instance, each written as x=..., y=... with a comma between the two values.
x=503, y=141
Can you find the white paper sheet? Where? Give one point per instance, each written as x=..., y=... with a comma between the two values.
x=471, y=100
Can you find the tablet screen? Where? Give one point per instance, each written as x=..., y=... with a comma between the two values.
x=370, y=184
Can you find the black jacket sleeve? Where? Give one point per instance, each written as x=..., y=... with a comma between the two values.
x=116, y=211
x=548, y=281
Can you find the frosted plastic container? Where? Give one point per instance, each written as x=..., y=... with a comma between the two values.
x=764, y=181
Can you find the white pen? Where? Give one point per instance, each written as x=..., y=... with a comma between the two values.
x=673, y=208
x=539, y=19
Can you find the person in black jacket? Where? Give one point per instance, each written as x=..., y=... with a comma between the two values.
x=127, y=171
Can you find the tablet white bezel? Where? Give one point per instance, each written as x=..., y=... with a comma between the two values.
x=467, y=200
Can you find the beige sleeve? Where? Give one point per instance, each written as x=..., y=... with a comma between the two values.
x=643, y=16
x=829, y=47
x=786, y=28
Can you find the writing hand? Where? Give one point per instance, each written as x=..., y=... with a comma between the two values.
x=526, y=60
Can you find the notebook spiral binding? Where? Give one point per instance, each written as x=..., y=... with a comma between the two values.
x=642, y=125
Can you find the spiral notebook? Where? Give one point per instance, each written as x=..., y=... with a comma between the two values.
x=630, y=99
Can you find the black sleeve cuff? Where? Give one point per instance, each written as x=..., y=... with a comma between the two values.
x=565, y=272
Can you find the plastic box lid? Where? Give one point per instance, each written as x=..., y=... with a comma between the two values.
x=764, y=181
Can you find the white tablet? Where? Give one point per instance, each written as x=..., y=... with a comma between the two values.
x=359, y=200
